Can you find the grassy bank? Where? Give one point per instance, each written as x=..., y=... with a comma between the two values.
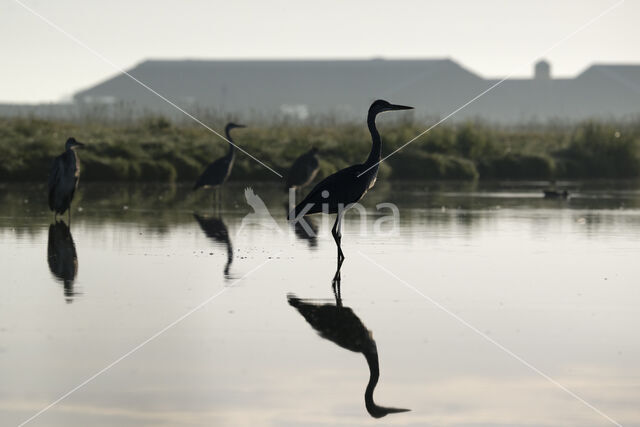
x=155, y=149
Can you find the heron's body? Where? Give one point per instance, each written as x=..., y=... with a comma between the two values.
x=344, y=188
x=218, y=172
x=64, y=177
x=304, y=170
x=339, y=191
x=341, y=325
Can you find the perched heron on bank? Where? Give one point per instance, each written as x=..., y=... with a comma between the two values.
x=217, y=172
x=304, y=170
x=64, y=177
x=341, y=325
x=339, y=191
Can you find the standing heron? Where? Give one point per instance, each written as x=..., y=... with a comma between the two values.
x=304, y=170
x=341, y=325
x=64, y=177
x=339, y=191
x=217, y=172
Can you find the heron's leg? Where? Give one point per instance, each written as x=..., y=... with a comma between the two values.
x=337, y=236
x=336, y=291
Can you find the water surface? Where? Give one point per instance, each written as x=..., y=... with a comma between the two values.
x=553, y=281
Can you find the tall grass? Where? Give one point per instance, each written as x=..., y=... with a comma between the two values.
x=157, y=149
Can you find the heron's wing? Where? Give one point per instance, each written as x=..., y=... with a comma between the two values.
x=343, y=187
x=215, y=173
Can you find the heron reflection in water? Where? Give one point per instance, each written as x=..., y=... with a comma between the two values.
x=307, y=229
x=340, y=325
x=62, y=257
x=216, y=230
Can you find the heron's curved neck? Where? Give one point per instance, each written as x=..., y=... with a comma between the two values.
x=229, y=257
x=376, y=143
x=232, y=146
x=374, y=375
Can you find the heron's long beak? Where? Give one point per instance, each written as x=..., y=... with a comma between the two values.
x=400, y=107
x=241, y=126
x=78, y=144
x=381, y=411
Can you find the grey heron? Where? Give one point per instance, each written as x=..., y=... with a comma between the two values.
x=64, y=177
x=218, y=172
x=339, y=191
x=303, y=170
x=340, y=325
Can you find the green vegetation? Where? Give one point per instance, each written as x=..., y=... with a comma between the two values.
x=156, y=149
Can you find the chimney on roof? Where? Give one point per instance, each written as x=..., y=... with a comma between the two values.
x=542, y=70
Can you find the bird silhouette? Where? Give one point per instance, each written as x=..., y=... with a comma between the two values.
x=62, y=257
x=218, y=172
x=63, y=178
x=216, y=230
x=339, y=191
x=303, y=170
x=340, y=325
x=552, y=192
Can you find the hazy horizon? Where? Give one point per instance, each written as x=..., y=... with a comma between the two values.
x=492, y=39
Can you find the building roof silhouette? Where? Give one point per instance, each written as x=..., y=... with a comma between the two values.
x=345, y=88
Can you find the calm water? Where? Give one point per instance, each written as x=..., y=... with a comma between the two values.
x=553, y=281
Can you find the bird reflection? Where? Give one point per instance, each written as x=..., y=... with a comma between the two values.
x=340, y=325
x=307, y=229
x=216, y=230
x=62, y=257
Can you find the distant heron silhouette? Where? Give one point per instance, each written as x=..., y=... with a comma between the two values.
x=552, y=192
x=340, y=325
x=63, y=178
x=303, y=170
x=62, y=257
x=341, y=190
x=216, y=230
x=218, y=172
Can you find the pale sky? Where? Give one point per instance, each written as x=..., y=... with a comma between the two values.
x=493, y=38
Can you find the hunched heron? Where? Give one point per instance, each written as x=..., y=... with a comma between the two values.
x=64, y=177
x=303, y=170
